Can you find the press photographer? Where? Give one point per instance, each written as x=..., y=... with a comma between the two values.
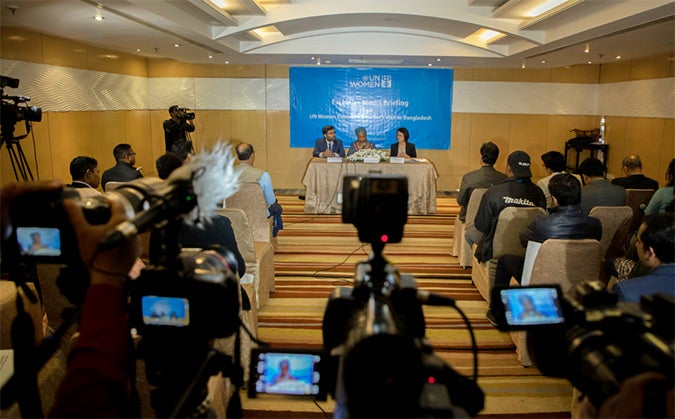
x=375, y=332
x=177, y=131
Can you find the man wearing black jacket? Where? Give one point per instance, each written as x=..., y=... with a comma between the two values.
x=517, y=190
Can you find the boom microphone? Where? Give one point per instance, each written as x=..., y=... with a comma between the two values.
x=194, y=189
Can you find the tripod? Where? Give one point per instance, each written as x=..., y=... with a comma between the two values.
x=16, y=155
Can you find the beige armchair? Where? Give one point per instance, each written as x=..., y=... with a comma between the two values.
x=506, y=241
x=461, y=247
x=258, y=255
x=251, y=199
x=563, y=262
x=612, y=219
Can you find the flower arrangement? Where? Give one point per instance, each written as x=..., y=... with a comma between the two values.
x=381, y=153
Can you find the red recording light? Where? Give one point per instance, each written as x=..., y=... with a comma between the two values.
x=384, y=238
x=431, y=379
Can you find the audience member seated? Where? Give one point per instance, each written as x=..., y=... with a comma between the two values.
x=361, y=142
x=328, y=146
x=86, y=176
x=517, y=190
x=663, y=196
x=484, y=177
x=250, y=174
x=632, y=168
x=554, y=163
x=402, y=147
x=656, y=250
x=597, y=192
x=124, y=170
x=565, y=221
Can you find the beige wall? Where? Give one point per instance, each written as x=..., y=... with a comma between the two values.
x=62, y=135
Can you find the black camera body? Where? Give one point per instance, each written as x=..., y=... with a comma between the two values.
x=381, y=364
x=184, y=115
x=592, y=339
x=15, y=109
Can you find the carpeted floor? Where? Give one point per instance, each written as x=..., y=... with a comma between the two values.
x=317, y=253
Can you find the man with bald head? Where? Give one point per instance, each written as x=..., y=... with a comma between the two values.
x=250, y=174
x=632, y=168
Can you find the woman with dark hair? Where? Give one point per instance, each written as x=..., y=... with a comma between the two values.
x=402, y=147
x=663, y=196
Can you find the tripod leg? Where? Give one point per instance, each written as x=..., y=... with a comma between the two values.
x=25, y=168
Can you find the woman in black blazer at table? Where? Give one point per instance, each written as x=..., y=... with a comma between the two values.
x=403, y=148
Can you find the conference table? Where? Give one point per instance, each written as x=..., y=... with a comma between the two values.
x=323, y=183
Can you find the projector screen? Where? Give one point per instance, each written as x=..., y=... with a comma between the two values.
x=379, y=99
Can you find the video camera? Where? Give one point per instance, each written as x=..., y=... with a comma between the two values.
x=380, y=363
x=15, y=109
x=173, y=303
x=184, y=115
x=591, y=339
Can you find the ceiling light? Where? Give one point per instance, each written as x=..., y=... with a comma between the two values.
x=430, y=65
x=210, y=57
x=220, y=3
x=267, y=31
x=522, y=65
x=590, y=62
x=98, y=18
x=227, y=62
x=543, y=61
x=487, y=35
x=587, y=49
x=618, y=57
x=176, y=45
x=312, y=58
x=544, y=7
x=438, y=60
x=138, y=50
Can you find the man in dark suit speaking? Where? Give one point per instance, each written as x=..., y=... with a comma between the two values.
x=328, y=146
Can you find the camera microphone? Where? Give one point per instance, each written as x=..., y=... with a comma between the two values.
x=430, y=299
x=197, y=188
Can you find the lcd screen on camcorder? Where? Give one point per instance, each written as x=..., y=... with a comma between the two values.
x=287, y=373
x=165, y=311
x=531, y=306
x=39, y=241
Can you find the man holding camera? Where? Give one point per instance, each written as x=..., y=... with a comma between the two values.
x=177, y=129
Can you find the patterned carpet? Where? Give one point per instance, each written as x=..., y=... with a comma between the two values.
x=317, y=253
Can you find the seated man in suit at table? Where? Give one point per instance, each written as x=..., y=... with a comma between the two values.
x=632, y=168
x=328, y=146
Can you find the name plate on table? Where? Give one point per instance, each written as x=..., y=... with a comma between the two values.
x=397, y=160
x=334, y=159
x=371, y=159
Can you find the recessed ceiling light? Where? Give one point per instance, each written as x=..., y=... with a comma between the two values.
x=312, y=58
x=438, y=60
x=176, y=45
x=98, y=18
x=522, y=65
x=590, y=62
x=227, y=62
x=138, y=50
x=618, y=57
x=210, y=57
x=587, y=49
x=543, y=61
x=430, y=65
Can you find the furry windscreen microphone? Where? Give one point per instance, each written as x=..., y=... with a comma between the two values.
x=192, y=192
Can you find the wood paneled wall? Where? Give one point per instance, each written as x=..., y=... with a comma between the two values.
x=63, y=135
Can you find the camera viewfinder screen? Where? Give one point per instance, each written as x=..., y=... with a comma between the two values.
x=287, y=373
x=39, y=241
x=165, y=311
x=531, y=306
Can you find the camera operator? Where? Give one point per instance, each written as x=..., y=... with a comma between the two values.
x=97, y=380
x=177, y=129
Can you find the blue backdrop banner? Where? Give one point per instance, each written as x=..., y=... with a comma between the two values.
x=379, y=99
